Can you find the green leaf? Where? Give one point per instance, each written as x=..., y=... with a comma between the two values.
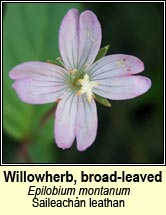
x=31, y=34
x=102, y=52
x=102, y=100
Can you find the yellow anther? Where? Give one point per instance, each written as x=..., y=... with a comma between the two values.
x=58, y=100
x=72, y=71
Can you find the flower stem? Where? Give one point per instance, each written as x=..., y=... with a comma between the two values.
x=24, y=148
x=46, y=116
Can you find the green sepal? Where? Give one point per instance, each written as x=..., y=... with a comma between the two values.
x=102, y=100
x=102, y=52
x=56, y=62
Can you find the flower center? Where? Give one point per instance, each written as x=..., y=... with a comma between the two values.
x=72, y=80
x=86, y=87
x=79, y=82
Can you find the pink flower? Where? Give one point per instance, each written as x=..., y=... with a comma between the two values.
x=74, y=85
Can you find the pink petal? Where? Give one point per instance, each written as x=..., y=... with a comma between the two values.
x=120, y=88
x=65, y=121
x=89, y=38
x=79, y=38
x=38, y=71
x=68, y=39
x=116, y=66
x=86, y=123
x=38, y=83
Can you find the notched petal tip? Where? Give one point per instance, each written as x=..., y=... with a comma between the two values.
x=13, y=73
x=141, y=86
x=17, y=86
x=21, y=70
x=146, y=84
x=83, y=147
x=72, y=10
x=122, y=88
x=62, y=145
x=88, y=13
x=132, y=64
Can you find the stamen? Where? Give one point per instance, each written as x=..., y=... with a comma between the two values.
x=85, y=66
x=72, y=71
x=86, y=87
x=121, y=63
x=58, y=100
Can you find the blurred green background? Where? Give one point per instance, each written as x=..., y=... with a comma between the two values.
x=130, y=131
